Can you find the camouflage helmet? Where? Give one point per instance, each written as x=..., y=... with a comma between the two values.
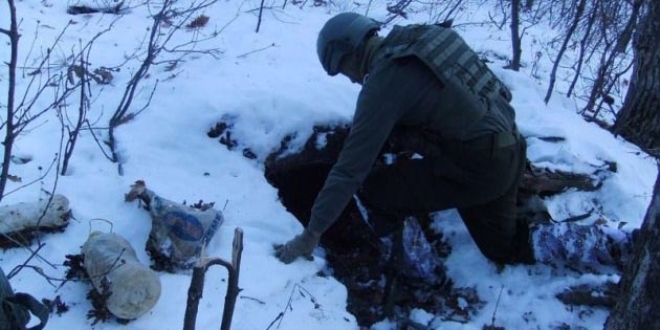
x=342, y=35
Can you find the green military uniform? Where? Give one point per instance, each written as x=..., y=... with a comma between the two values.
x=473, y=156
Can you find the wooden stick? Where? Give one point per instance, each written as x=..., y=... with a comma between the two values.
x=197, y=285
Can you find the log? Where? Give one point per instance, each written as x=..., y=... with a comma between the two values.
x=83, y=9
x=602, y=295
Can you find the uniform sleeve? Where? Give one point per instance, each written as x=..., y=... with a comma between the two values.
x=374, y=118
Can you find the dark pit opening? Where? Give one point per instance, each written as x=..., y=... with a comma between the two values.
x=357, y=257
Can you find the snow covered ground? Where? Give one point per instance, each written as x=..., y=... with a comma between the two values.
x=272, y=84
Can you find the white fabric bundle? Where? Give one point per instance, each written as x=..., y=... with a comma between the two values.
x=113, y=267
x=21, y=216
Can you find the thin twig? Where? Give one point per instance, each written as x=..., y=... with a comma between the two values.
x=97, y=140
x=497, y=304
x=289, y=307
x=255, y=51
x=261, y=302
x=33, y=254
x=261, y=10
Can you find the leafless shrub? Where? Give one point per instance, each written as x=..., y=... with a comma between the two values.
x=169, y=17
x=592, y=48
x=23, y=110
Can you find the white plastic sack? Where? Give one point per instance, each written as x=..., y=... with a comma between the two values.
x=113, y=267
x=178, y=232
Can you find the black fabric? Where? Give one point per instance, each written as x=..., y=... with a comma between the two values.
x=15, y=308
x=480, y=180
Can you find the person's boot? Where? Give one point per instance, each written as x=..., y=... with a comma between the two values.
x=584, y=248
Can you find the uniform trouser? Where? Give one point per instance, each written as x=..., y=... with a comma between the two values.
x=480, y=180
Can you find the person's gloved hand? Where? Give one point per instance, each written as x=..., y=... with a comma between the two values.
x=301, y=245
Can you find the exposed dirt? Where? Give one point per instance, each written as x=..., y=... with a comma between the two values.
x=357, y=257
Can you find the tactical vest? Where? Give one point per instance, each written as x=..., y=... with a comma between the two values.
x=451, y=60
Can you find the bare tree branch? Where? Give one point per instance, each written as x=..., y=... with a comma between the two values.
x=167, y=21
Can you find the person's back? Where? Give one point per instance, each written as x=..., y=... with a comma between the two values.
x=464, y=98
x=472, y=155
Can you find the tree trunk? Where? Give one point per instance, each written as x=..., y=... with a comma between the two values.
x=515, y=35
x=614, y=50
x=569, y=35
x=638, y=121
x=638, y=306
x=10, y=125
